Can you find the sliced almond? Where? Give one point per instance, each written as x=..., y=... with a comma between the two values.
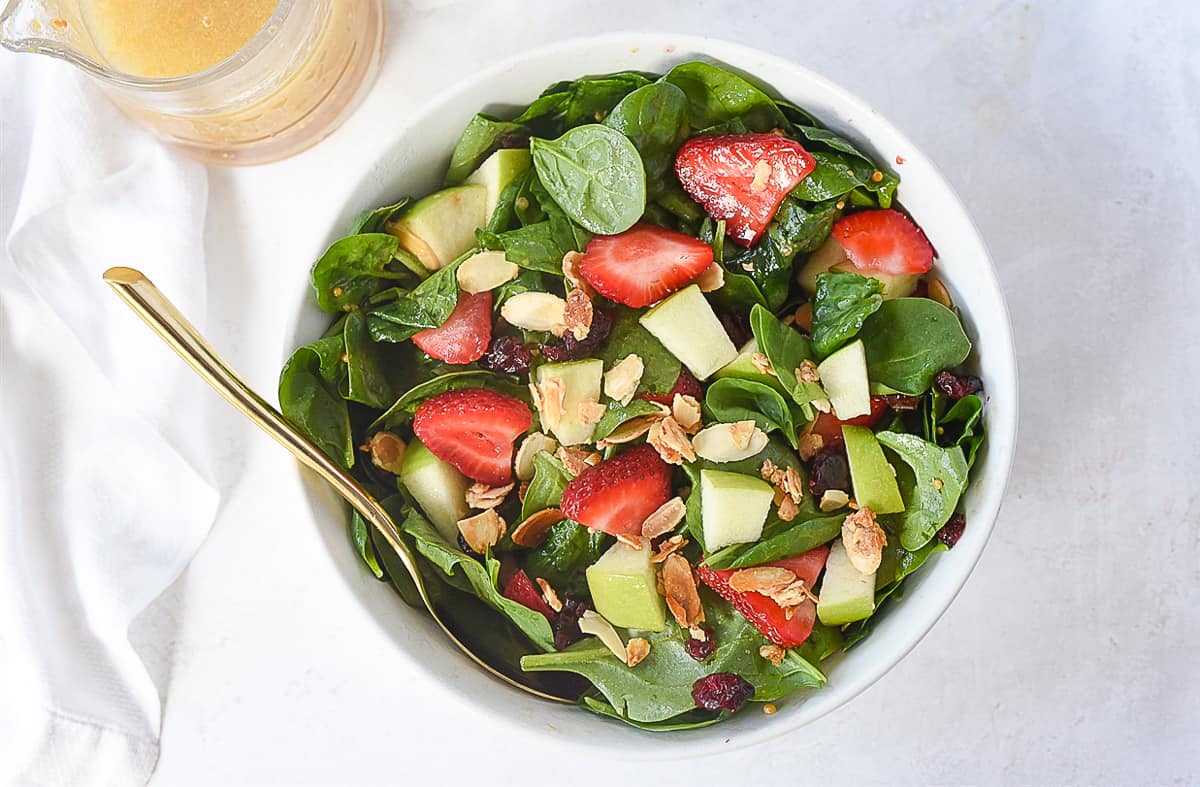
x=773, y=654
x=807, y=373
x=530, y=447
x=833, y=499
x=679, y=588
x=485, y=271
x=636, y=649
x=622, y=380
x=482, y=531
x=590, y=412
x=536, y=311
x=822, y=405
x=574, y=459
x=387, y=451
x=635, y=427
x=761, y=363
x=730, y=442
x=591, y=623
x=761, y=579
x=864, y=540
x=668, y=547
x=480, y=495
x=793, y=485
x=549, y=595
x=549, y=397
x=762, y=176
x=671, y=442
x=686, y=410
x=788, y=509
x=664, y=519
x=939, y=293
x=570, y=269
x=713, y=278
x=803, y=318
x=533, y=529
x=810, y=445
x=577, y=315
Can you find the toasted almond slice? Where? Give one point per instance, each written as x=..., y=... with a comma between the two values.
x=679, y=588
x=761, y=579
x=686, y=410
x=480, y=495
x=590, y=412
x=760, y=362
x=713, y=278
x=730, y=442
x=549, y=396
x=669, y=547
x=810, y=445
x=807, y=373
x=550, y=596
x=671, y=442
x=864, y=540
x=793, y=485
x=577, y=316
x=570, y=269
x=697, y=633
x=575, y=460
x=530, y=447
x=590, y=622
x=482, y=531
x=788, y=509
x=762, y=174
x=484, y=271
x=773, y=654
x=833, y=499
x=387, y=451
x=621, y=381
x=636, y=649
x=822, y=405
x=536, y=311
x=664, y=519
x=939, y=293
x=533, y=529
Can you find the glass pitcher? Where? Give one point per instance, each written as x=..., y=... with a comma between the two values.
x=281, y=91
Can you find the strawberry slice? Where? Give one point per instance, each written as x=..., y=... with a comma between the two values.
x=742, y=178
x=473, y=429
x=465, y=335
x=685, y=384
x=767, y=616
x=829, y=427
x=521, y=590
x=884, y=241
x=617, y=495
x=643, y=264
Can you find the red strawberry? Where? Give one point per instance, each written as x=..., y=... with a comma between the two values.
x=742, y=178
x=829, y=427
x=685, y=384
x=521, y=590
x=767, y=616
x=465, y=335
x=473, y=429
x=643, y=264
x=884, y=241
x=617, y=495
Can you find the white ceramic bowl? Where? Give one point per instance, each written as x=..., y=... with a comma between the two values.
x=414, y=162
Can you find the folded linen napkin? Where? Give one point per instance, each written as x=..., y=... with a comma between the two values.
x=105, y=486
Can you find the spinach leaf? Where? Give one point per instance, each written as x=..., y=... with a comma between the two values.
x=534, y=247
x=835, y=175
x=797, y=228
x=594, y=97
x=309, y=398
x=788, y=540
x=716, y=96
x=395, y=571
x=785, y=348
x=617, y=414
x=375, y=220
x=660, y=688
x=546, y=487
x=628, y=336
x=897, y=564
x=685, y=721
x=481, y=579
x=367, y=381
x=526, y=281
x=360, y=535
x=941, y=477
x=427, y=306
x=732, y=399
x=353, y=269
x=739, y=293
x=909, y=340
x=482, y=136
x=843, y=301
x=828, y=139
x=561, y=559
x=595, y=174
x=405, y=407
x=822, y=643
x=961, y=424
x=655, y=119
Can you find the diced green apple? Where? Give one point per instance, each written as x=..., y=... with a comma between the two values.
x=440, y=228
x=581, y=383
x=624, y=588
x=874, y=480
x=733, y=508
x=437, y=486
x=832, y=257
x=687, y=326
x=497, y=171
x=844, y=377
x=846, y=594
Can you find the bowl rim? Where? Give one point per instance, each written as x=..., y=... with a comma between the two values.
x=708, y=741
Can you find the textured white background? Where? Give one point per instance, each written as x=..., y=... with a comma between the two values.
x=1071, y=131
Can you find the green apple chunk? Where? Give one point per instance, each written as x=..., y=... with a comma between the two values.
x=437, y=486
x=440, y=228
x=844, y=377
x=687, y=326
x=624, y=588
x=497, y=171
x=832, y=257
x=733, y=508
x=581, y=383
x=846, y=593
x=874, y=480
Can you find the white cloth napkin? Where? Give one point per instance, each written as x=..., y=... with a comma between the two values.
x=105, y=490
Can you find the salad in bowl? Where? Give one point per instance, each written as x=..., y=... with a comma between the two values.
x=664, y=376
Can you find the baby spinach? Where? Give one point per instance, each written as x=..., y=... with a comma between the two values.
x=909, y=340
x=360, y=535
x=375, y=220
x=797, y=228
x=534, y=247
x=595, y=174
x=427, y=306
x=546, y=487
x=405, y=407
x=685, y=721
x=835, y=175
x=592, y=98
x=785, y=348
x=731, y=399
x=739, y=293
x=660, y=687
x=940, y=478
x=961, y=424
x=655, y=118
x=842, y=302
x=353, y=269
x=561, y=559
x=309, y=398
x=716, y=95
x=788, y=539
x=482, y=136
x=627, y=337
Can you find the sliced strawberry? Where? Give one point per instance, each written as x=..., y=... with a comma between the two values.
x=521, y=590
x=742, y=178
x=767, y=616
x=829, y=427
x=465, y=335
x=643, y=264
x=618, y=494
x=473, y=429
x=884, y=241
x=685, y=384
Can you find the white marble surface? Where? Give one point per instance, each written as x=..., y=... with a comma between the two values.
x=1070, y=129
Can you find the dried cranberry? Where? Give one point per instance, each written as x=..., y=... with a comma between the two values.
x=901, y=403
x=952, y=530
x=566, y=623
x=722, y=691
x=957, y=387
x=700, y=649
x=829, y=471
x=571, y=349
x=507, y=355
x=737, y=326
